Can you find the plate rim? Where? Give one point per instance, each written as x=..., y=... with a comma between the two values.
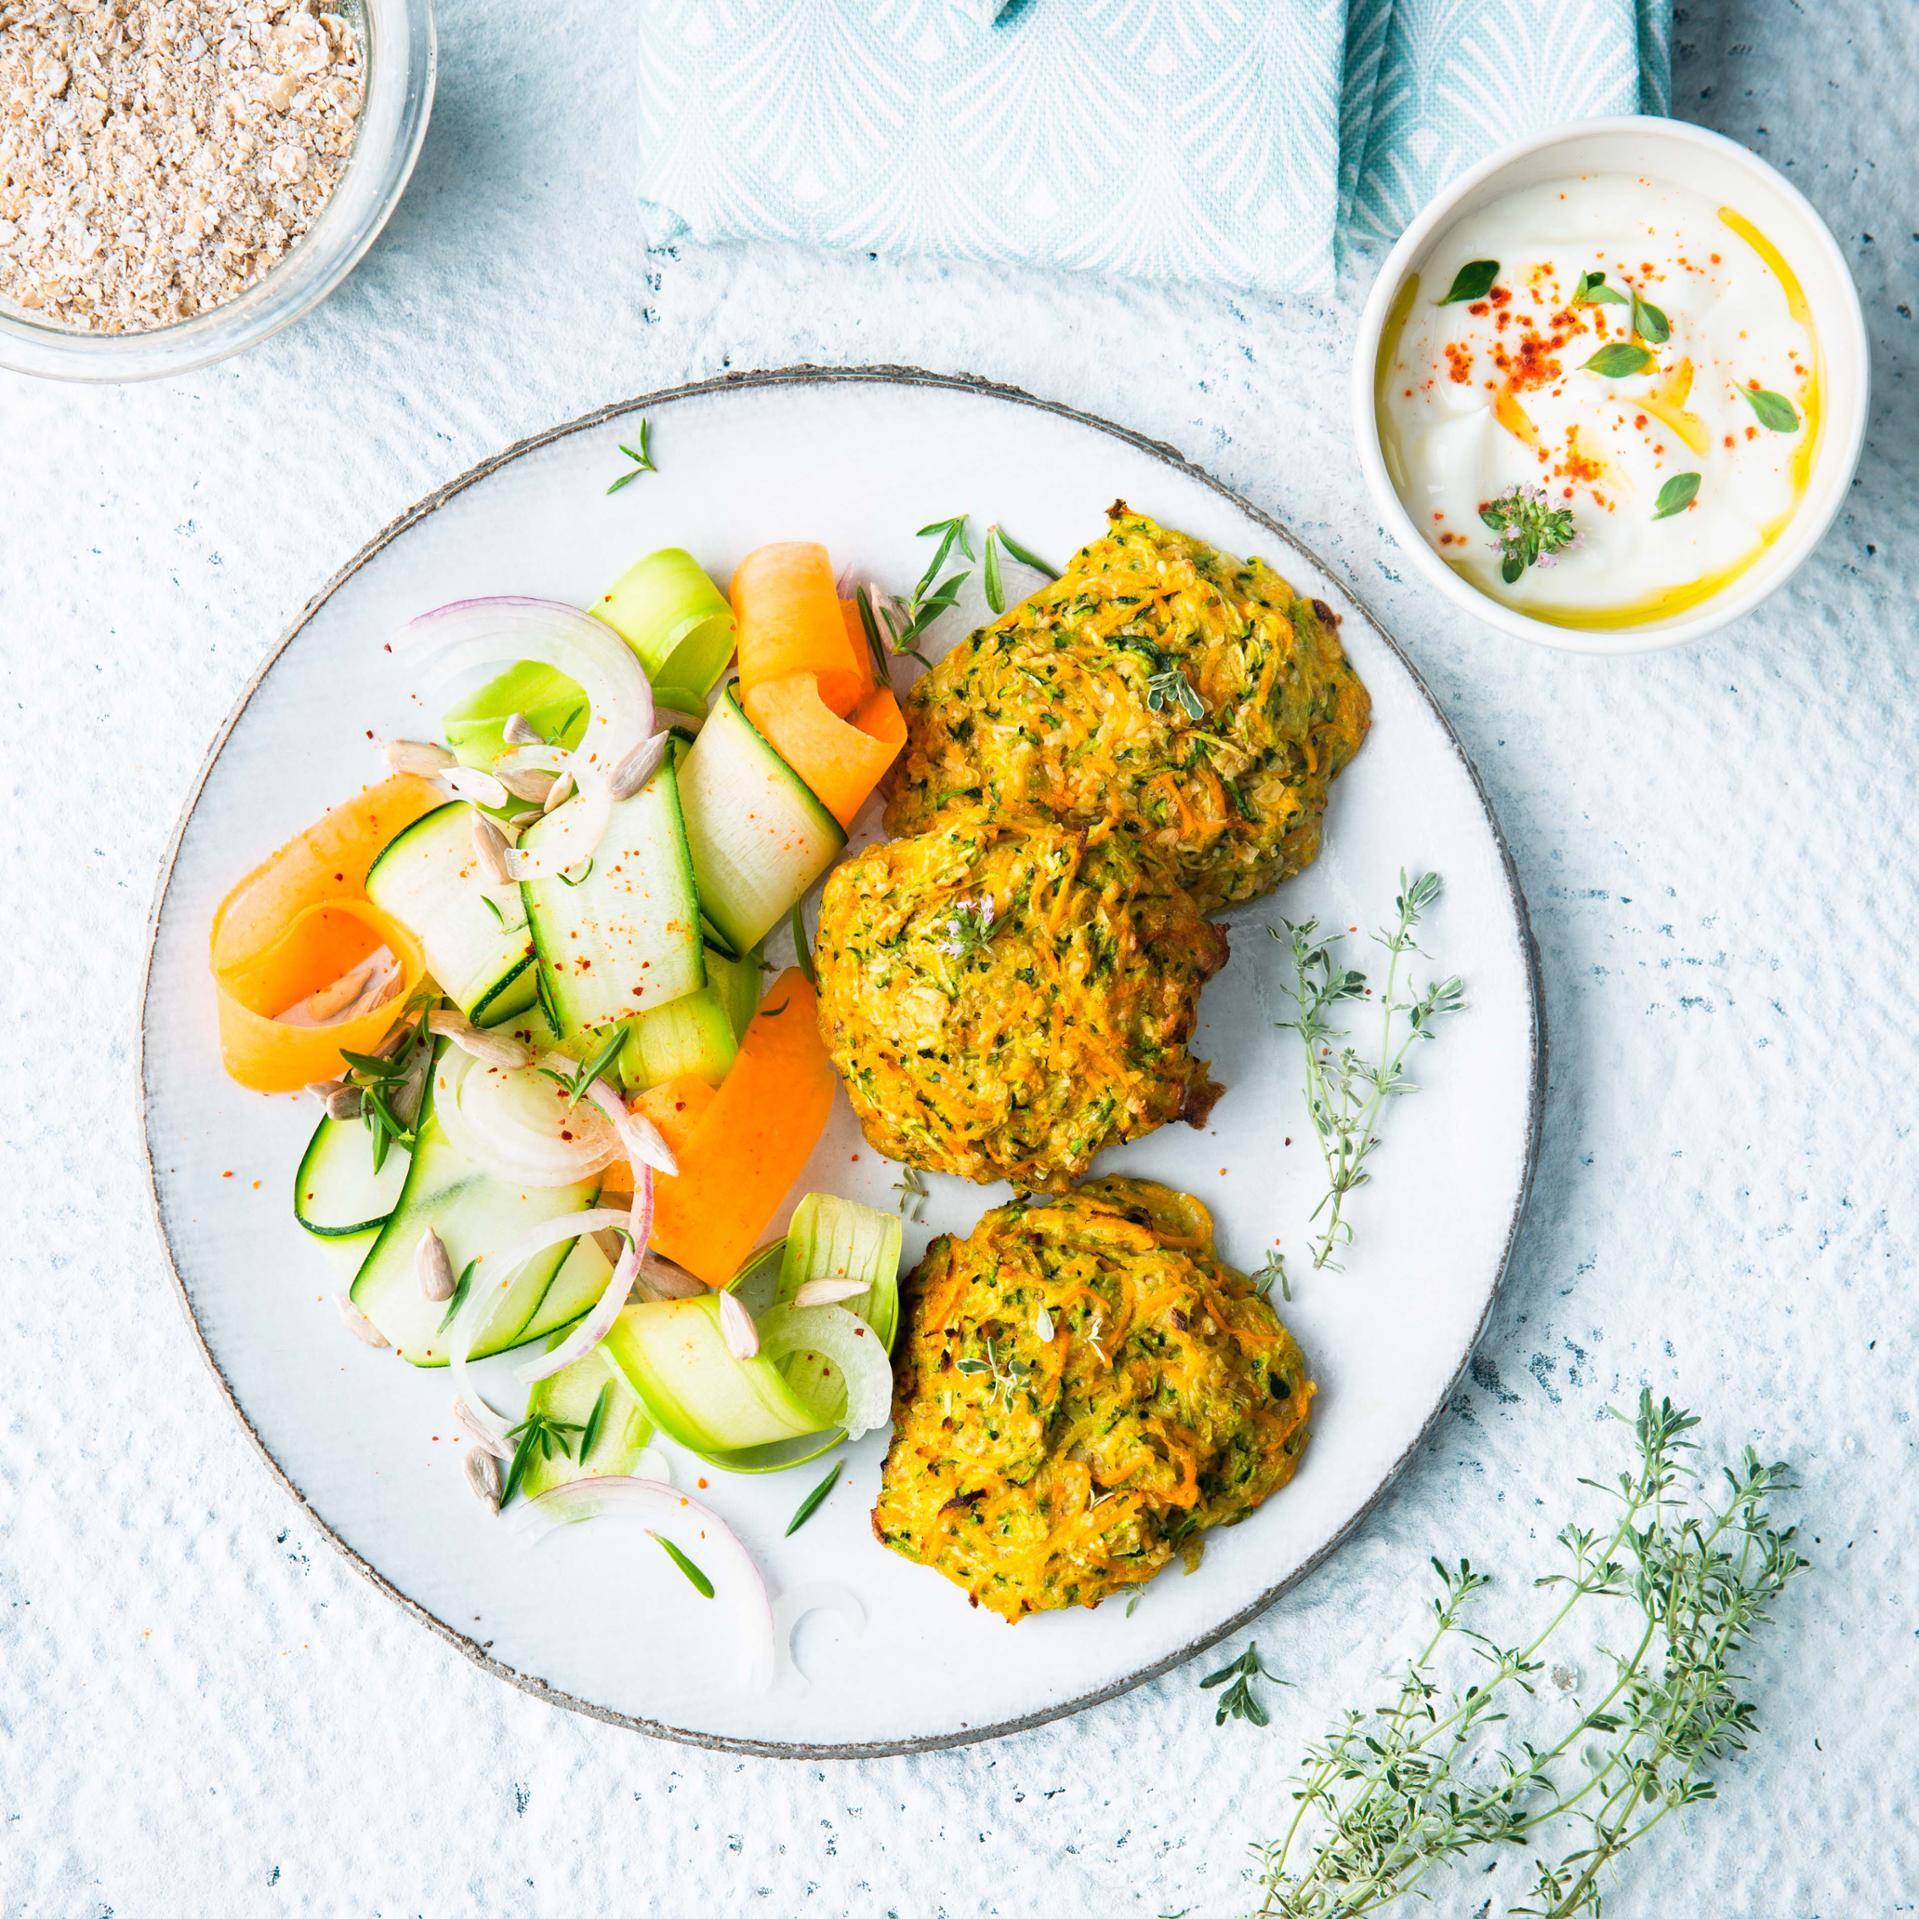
x=811, y=374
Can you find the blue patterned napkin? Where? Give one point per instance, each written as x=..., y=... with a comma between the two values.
x=1237, y=142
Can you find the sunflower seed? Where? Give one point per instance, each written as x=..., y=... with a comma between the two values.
x=324, y=1089
x=667, y=1281
x=435, y=1268
x=828, y=1292
x=344, y=1102
x=489, y=848
x=518, y=731
x=1043, y=1326
x=416, y=756
x=533, y=786
x=483, y=1475
x=479, y=1431
x=639, y=766
x=563, y=790
x=357, y=1323
x=482, y=788
x=490, y=1049
x=737, y=1329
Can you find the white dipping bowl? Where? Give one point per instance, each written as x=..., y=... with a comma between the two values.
x=1707, y=163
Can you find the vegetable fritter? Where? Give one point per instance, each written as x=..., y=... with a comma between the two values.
x=1003, y=998
x=1190, y=696
x=1082, y=1389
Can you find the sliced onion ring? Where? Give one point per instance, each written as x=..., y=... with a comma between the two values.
x=471, y=1319
x=469, y=634
x=717, y=1549
x=851, y=1344
x=606, y=1309
x=511, y=1121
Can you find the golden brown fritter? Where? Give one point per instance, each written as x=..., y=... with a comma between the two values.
x=1190, y=696
x=1081, y=1389
x=1003, y=998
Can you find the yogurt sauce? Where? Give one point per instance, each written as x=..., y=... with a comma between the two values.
x=1478, y=396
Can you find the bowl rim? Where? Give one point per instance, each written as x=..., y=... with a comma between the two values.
x=1847, y=340
x=402, y=38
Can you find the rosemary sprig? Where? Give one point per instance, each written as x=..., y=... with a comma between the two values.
x=811, y=1503
x=1023, y=554
x=541, y=1433
x=641, y=456
x=596, y=1064
x=1437, y=1775
x=1345, y=1093
x=590, y=1437
x=1239, y=1700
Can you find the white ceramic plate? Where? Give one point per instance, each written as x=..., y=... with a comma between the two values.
x=596, y=1617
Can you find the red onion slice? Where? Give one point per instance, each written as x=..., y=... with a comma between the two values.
x=716, y=1550
x=470, y=634
x=606, y=1309
x=514, y=1122
x=851, y=1344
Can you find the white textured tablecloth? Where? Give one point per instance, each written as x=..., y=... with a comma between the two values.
x=203, y=1711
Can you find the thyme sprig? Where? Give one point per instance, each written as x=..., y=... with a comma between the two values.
x=1438, y=1774
x=538, y=1433
x=1527, y=531
x=1240, y=1700
x=969, y=928
x=641, y=456
x=1345, y=1092
x=1008, y=1372
x=391, y=1082
x=575, y=1084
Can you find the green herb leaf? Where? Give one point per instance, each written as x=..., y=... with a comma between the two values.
x=1676, y=495
x=1239, y=1700
x=1473, y=281
x=811, y=1503
x=1775, y=411
x=597, y=1063
x=1529, y=529
x=1026, y=556
x=990, y=574
x=803, y=945
x=949, y=533
x=537, y=1433
x=642, y=458
x=1593, y=291
x=697, y=1579
x=1618, y=358
x=589, y=1438
x=1649, y=322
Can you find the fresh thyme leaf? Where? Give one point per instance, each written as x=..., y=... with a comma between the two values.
x=1649, y=322
x=803, y=945
x=1473, y=281
x=1026, y=556
x=1675, y=496
x=1616, y=359
x=1774, y=409
x=1529, y=530
x=1345, y=1093
x=811, y=1503
x=589, y=1437
x=697, y=1579
x=990, y=574
x=642, y=458
x=1593, y=291
x=1239, y=1700
x=1506, y=1749
x=1271, y=1273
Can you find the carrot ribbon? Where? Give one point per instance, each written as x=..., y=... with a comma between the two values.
x=301, y=921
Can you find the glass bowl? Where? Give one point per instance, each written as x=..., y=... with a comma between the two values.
x=400, y=52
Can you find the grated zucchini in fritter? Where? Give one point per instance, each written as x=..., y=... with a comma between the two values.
x=1004, y=998
x=1082, y=1389
x=1161, y=684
